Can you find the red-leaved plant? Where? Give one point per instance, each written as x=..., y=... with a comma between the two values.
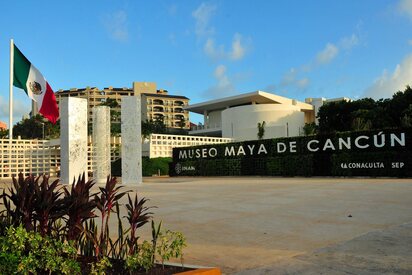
x=105, y=203
x=79, y=205
x=137, y=216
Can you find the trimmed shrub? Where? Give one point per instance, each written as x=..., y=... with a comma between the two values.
x=292, y=157
x=150, y=166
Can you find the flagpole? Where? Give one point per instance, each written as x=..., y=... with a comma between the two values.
x=11, y=91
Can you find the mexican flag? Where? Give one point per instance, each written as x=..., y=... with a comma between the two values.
x=28, y=78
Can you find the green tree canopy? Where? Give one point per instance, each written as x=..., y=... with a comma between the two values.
x=366, y=113
x=32, y=128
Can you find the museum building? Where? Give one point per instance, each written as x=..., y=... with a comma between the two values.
x=237, y=116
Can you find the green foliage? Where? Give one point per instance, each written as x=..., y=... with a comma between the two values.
x=156, y=126
x=156, y=230
x=109, y=196
x=79, y=206
x=302, y=162
x=170, y=245
x=310, y=129
x=261, y=130
x=4, y=133
x=115, y=128
x=100, y=267
x=150, y=166
x=32, y=128
x=360, y=124
x=110, y=102
x=44, y=226
x=23, y=252
x=137, y=216
x=141, y=259
x=366, y=113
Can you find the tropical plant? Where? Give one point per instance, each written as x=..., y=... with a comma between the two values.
x=4, y=133
x=22, y=195
x=105, y=203
x=51, y=224
x=36, y=127
x=137, y=216
x=156, y=230
x=48, y=206
x=171, y=245
x=100, y=267
x=79, y=204
x=310, y=129
x=261, y=130
x=25, y=252
x=141, y=259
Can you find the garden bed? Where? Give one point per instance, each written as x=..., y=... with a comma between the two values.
x=54, y=229
x=118, y=267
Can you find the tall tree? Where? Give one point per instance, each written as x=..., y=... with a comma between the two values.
x=34, y=127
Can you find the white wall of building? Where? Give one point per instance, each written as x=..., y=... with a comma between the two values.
x=281, y=120
x=215, y=119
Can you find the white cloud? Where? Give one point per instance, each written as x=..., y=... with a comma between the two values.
x=238, y=50
x=295, y=77
x=202, y=16
x=223, y=86
x=213, y=51
x=302, y=83
x=405, y=6
x=327, y=54
x=116, y=25
x=389, y=83
x=349, y=42
x=236, y=53
x=410, y=42
x=291, y=79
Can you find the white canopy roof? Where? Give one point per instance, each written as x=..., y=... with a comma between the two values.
x=258, y=97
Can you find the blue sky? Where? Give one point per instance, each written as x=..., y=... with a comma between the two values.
x=212, y=49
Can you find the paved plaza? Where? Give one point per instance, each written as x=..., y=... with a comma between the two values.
x=258, y=225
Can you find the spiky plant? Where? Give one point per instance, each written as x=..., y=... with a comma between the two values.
x=109, y=195
x=79, y=205
x=48, y=205
x=137, y=216
x=22, y=195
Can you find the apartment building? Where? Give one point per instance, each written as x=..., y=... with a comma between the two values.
x=156, y=104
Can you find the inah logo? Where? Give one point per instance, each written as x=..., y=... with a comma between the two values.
x=35, y=88
x=178, y=168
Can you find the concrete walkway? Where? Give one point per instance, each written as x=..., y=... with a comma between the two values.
x=255, y=225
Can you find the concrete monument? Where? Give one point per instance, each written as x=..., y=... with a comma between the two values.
x=131, y=139
x=101, y=143
x=73, y=138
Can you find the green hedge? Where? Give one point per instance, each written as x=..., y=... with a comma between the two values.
x=149, y=166
x=302, y=162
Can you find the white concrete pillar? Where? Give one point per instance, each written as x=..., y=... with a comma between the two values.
x=131, y=139
x=101, y=143
x=73, y=138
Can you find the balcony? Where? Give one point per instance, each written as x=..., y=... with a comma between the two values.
x=179, y=103
x=179, y=117
x=158, y=109
x=178, y=110
x=157, y=102
x=158, y=117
